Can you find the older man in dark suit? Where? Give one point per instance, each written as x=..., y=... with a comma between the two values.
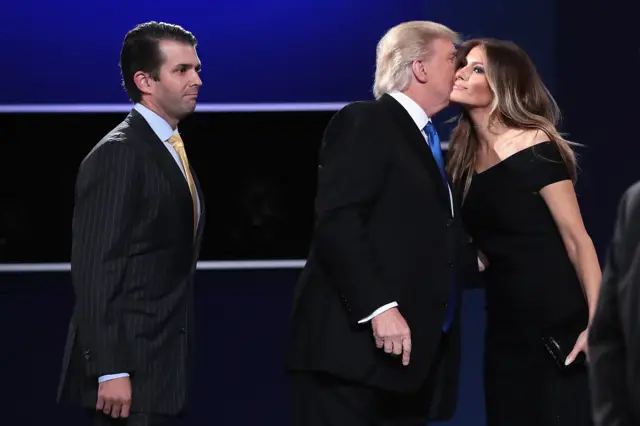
x=375, y=333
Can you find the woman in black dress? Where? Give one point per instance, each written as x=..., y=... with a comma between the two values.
x=516, y=174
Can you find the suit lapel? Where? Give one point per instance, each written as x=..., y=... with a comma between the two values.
x=417, y=143
x=202, y=207
x=167, y=164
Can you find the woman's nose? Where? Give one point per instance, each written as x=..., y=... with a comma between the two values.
x=460, y=74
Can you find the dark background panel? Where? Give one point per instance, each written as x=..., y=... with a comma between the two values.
x=257, y=170
x=597, y=48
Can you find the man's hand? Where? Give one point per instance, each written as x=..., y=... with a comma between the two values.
x=392, y=333
x=114, y=397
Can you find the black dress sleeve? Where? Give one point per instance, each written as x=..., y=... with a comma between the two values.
x=544, y=165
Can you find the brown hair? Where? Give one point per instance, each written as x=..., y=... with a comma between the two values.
x=521, y=101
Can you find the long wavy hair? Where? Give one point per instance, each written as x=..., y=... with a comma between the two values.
x=520, y=101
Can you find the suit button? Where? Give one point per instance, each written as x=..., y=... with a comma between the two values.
x=445, y=303
x=87, y=351
x=451, y=263
x=182, y=330
x=449, y=222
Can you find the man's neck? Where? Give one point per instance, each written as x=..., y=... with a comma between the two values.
x=152, y=107
x=425, y=101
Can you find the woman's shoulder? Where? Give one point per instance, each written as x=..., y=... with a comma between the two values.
x=529, y=140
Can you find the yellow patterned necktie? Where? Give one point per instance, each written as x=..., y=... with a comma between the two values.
x=178, y=145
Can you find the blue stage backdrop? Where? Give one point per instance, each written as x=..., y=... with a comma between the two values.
x=253, y=51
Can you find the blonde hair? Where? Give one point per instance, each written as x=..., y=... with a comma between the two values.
x=399, y=47
x=521, y=101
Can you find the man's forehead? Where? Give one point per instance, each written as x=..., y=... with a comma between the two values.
x=176, y=52
x=444, y=45
x=171, y=47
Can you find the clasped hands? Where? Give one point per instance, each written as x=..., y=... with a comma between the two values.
x=391, y=333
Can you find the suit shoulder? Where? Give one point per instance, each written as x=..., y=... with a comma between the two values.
x=115, y=152
x=115, y=143
x=355, y=114
x=631, y=200
x=359, y=108
x=633, y=192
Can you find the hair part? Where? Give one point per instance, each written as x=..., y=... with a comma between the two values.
x=141, y=52
x=400, y=47
x=521, y=101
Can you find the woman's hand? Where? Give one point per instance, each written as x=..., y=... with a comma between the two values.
x=482, y=261
x=580, y=346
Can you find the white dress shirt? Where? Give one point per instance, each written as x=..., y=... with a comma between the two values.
x=421, y=119
x=163, y=130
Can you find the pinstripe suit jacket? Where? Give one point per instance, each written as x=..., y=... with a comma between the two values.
x=133, y=258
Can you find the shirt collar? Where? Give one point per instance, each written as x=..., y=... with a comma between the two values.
x=415, y=111
x=158, y=124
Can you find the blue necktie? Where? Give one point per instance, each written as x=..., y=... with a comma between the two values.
x=434, y=143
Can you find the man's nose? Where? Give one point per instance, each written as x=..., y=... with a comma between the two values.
x=197, y=81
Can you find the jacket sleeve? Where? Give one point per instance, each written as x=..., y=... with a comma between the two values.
x=103, y=220
x=351, y=172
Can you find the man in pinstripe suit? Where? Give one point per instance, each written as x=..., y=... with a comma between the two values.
x=137, y=226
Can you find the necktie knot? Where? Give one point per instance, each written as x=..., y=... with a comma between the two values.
x=176, y=141
x=431, y=132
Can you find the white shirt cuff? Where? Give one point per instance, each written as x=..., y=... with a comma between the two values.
x=378, y=312
x=111, y=377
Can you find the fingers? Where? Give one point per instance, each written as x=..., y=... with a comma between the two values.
x=108, y=406
x=397, y=346
x=126, y=409
x=392, y=334
x=379, y=342
x=100, y=403
x=115, y=408
x=574, y=353
x=406, y=350
x=400, y=345
x=388, y=345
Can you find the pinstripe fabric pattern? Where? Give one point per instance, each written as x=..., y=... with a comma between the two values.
x=132, y=264
x=136, y=419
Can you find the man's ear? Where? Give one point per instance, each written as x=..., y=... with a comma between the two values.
x=419, y=70
x=143, y=81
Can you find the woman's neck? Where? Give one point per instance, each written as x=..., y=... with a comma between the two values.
x=489, y=132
